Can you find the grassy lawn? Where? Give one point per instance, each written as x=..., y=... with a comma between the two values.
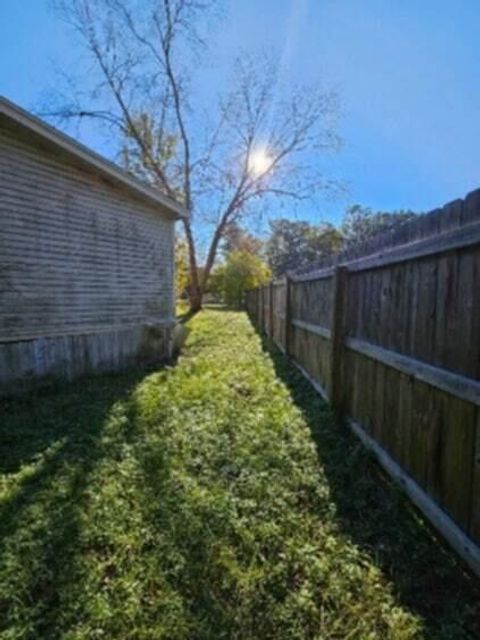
x=211, y=500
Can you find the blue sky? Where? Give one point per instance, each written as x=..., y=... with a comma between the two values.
x=406, y=72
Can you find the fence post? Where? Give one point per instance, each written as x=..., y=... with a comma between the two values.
x=263, y=324
x=271, y=310
x=259, y=308
x=264, y=311
x=337, y=336
x=288, y=292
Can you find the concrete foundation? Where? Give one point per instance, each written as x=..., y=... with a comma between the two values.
x=29, y=364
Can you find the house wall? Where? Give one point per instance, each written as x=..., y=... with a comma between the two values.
x=86, y=271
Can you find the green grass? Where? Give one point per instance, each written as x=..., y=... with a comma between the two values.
x=182, y=307
x=211, y=500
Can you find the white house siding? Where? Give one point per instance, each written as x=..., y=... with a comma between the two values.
x=86, y=270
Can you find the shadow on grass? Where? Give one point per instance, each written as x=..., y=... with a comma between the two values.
x=183, y=318
x=58, y=453
x=183, y=534
x=30, y=424
x=214, y=306
x=426, y=576
x=50, y=443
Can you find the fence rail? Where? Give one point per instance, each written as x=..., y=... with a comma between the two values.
x=391, y=336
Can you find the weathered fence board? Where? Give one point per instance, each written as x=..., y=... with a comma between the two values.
x=390, y=334
x=475, y=522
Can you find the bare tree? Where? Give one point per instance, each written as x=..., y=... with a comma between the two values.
x=249, y=147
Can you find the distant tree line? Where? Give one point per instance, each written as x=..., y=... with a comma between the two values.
x=247, y=261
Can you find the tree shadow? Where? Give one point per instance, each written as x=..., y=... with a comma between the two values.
x=373, y=511
x=187, y=531
x=30, y=424
x=50, y=444
x=183, y=318
x=213, y=306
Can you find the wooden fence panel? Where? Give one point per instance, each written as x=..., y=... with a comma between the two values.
x=312, y=301
x=266, y=309
x=427, y=308
x=391, y=337
x=279, y=292
x=429, y=432
x=311, y=304
x=475, y=519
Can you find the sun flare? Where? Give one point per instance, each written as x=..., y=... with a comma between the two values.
x=259, y=162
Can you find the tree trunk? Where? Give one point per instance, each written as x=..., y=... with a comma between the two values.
x=212, y=254
x=195, y=292
x=195, y=297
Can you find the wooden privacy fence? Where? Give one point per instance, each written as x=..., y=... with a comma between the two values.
x=391, y=336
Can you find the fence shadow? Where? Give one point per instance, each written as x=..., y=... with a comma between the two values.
x=373, y=511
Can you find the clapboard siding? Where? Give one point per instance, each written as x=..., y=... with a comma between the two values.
x=86, y=266
x=75, y=252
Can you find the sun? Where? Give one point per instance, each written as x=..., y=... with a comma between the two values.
x=259, y=162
